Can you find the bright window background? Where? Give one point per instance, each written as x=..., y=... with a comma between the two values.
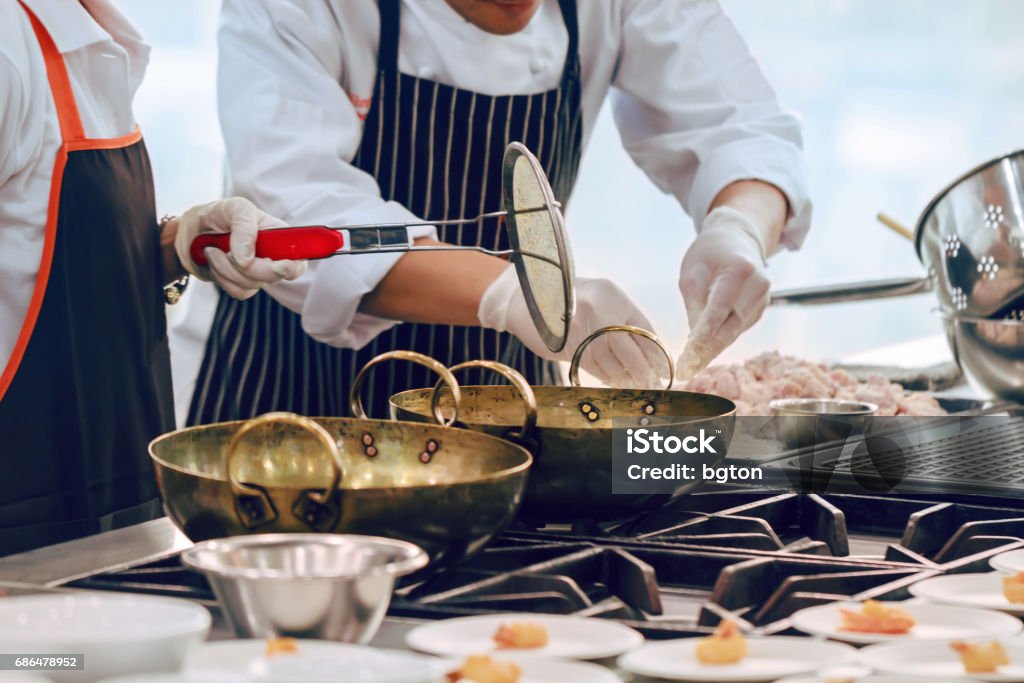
x=898, y=98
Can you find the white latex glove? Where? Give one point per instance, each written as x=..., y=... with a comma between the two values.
x=617, y=359
x=238, y=272
x=724, y=283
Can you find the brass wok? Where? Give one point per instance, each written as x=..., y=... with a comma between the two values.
x=447, y=490
x=569, y=431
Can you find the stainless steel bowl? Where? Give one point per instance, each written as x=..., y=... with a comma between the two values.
x=323, y=586
x=806, y=422
x=990, y=352
x=815, y=407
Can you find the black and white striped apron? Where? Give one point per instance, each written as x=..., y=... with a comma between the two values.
x=437, y=150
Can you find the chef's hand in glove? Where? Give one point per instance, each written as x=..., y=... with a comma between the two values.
x=724, y=282
x=238, y=272
x=616, y=359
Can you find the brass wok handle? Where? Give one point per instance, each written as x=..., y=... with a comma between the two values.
x=355, y=396
x=514, y=378
x=574, y=366
x=318, y=499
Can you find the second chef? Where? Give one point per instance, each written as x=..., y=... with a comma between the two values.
x=359, y=112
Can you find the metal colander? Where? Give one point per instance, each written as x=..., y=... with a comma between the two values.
x=970, y=239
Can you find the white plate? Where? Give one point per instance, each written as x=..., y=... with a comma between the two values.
x=22, y=677
x=568, y=637
x=117, y=634
x=876, y=678
x=850, y=672
x=934, y=622
x=185, y=677
x=1008, y=563
x=555, y=671
x=933, y=660
x=315, y=661
x=968, y=590
x=768, y=659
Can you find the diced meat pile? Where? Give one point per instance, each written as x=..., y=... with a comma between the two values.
x=769, y=376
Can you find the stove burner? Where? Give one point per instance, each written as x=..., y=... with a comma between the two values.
x=754, y=555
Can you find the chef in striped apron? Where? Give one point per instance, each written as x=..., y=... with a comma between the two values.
x=353, y=111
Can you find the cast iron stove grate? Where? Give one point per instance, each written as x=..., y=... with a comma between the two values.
x=759, y=556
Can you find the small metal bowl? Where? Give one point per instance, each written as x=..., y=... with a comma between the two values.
x=809, y=422
x=324, y=586
x=822, y=407
x=990, y=351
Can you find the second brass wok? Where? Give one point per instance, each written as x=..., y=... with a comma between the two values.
x=571, y=440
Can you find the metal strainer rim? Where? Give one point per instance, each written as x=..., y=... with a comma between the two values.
x=513, y=153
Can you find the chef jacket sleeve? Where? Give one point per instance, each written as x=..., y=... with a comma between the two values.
x=13, y=104
x=291, y=133
x=696, y=113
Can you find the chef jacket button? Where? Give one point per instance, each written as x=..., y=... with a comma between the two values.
x=425, y=72
x=539, y=65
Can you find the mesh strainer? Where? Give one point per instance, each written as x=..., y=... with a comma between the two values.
x=536, y=230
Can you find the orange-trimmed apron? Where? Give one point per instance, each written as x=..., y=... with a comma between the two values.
x=88, y=383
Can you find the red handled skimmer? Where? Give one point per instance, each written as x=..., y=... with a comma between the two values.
x=536, y=234
x=313, y=242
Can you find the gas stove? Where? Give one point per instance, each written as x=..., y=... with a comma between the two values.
x=754, y=555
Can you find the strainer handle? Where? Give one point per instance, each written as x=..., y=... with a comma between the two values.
x=854, y=291
x=515, y=378
x=241, y=490
x=574, y=366
x=355, y=397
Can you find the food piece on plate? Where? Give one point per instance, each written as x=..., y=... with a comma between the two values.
x=875, y=617
x=981, y=658
x=1013, y=587
x=521, y=635
x=483, y=669
x=726, y=646
x=758, y=381
x=281, y=646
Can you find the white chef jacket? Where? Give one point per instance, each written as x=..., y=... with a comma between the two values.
x=296, y=79
x=106, y=60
